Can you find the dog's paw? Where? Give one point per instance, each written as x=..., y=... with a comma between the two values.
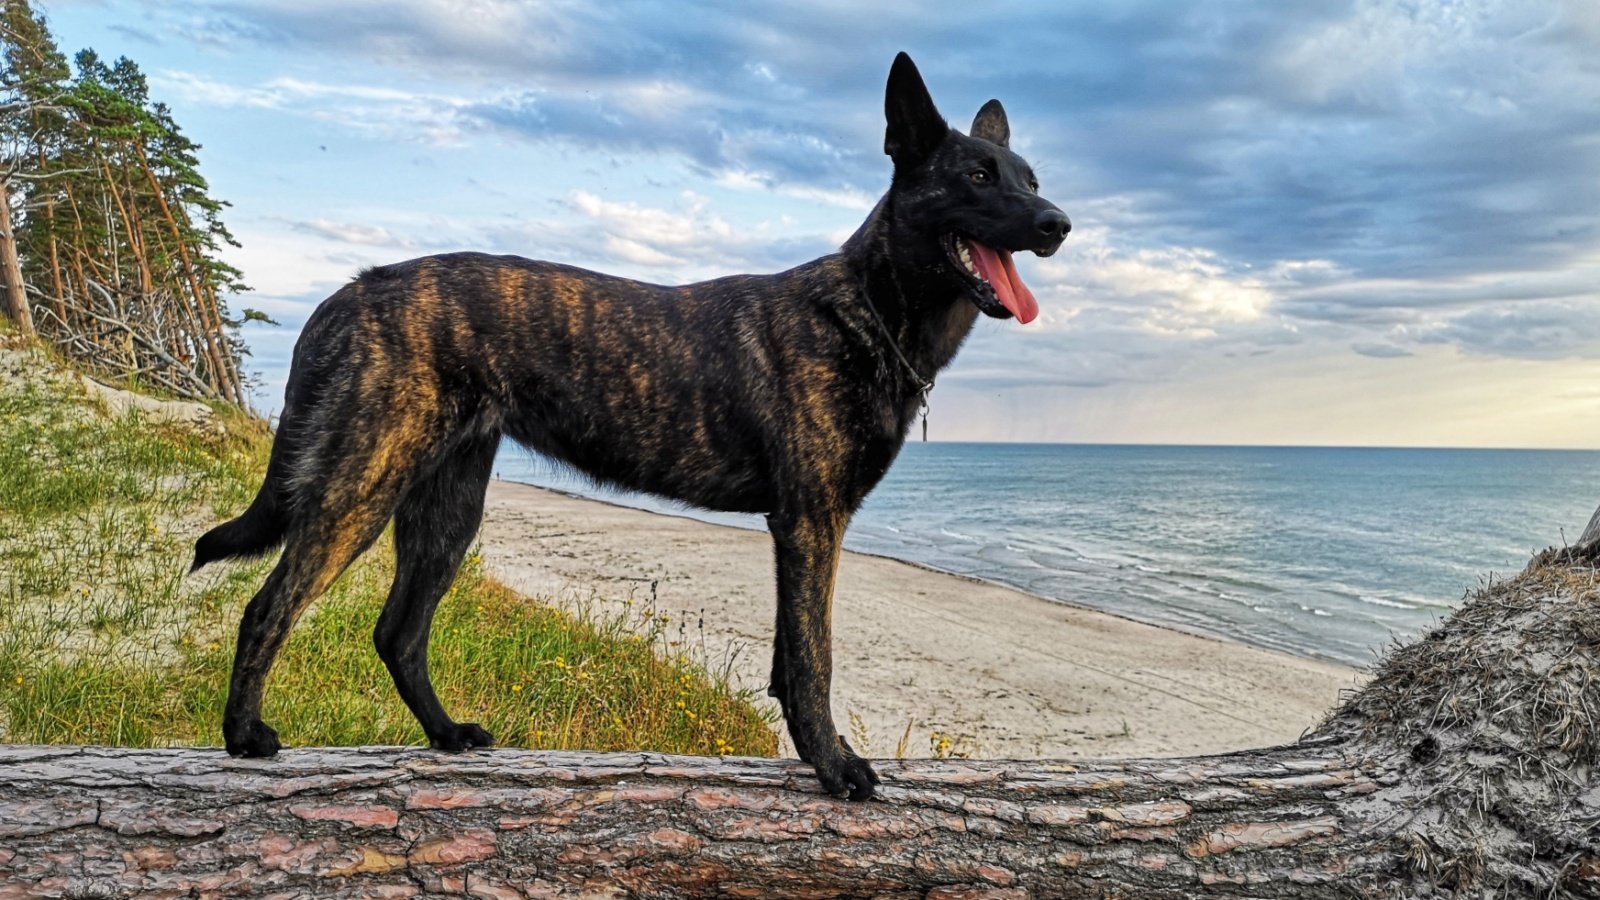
x=845, y=773
x=462, y=736
x=254, y=740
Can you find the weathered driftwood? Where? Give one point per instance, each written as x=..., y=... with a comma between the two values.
x=1465, y=768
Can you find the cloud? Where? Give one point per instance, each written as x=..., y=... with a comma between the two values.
x=1178, y=291
x=192, y=88
x=366, y=235
x=138, y=34
x=1486, y=312
x=686, y=243
x=375, y=111
x=1380, y=351
x=845, y=197
x=1525, y=331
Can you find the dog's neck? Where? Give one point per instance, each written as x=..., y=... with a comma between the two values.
x=923, y=308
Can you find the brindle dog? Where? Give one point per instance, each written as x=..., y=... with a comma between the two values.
x=786, y=394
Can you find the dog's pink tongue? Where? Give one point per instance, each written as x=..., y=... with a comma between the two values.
x=996, y=268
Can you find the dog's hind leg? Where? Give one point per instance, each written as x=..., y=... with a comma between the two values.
x=314, y=555
x=433, y=528
x=352, y=478
x=807, y=549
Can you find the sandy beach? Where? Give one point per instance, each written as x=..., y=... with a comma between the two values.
x=1001, y=673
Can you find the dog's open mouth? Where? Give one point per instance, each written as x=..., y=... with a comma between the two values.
x=994, y=277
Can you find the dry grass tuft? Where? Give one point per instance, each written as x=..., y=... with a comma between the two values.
x=1497, y=711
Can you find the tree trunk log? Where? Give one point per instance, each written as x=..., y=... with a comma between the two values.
x=16, y=298
x=1466, y=767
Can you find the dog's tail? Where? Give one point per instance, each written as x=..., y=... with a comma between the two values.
x=260, y=528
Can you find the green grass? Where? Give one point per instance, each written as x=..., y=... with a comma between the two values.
x=104, y=640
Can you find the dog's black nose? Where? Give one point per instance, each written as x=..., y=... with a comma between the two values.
x=1053, y=224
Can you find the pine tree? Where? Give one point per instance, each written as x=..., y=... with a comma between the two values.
x=33, y=68
x=118, y=237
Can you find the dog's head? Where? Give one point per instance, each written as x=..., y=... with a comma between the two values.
x=968, y=193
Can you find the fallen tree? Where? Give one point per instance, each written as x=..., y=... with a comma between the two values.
x=1466, y=767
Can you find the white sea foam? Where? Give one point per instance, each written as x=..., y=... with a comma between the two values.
x=1380, y=601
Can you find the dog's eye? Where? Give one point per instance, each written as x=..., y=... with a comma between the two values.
x=978, y=176
x=1033, y=185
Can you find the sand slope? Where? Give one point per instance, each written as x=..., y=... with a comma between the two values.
x=1004, y=673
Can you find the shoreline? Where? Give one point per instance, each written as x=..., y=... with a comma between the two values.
x=975, y=579
x=993, y=670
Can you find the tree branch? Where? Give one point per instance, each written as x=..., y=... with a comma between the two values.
x=1591, y=532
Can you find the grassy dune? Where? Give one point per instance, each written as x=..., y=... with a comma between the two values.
x=104, y=640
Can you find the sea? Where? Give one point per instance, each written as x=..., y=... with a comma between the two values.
x=1333, y=553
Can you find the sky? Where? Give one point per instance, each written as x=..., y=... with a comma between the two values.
x=1295, y=222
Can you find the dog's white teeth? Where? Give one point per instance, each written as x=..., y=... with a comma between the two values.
x=966, y=259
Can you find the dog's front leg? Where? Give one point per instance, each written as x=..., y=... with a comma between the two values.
x=807, y=548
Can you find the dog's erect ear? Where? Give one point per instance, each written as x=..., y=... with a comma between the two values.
x=915, y=126
x=991, y=124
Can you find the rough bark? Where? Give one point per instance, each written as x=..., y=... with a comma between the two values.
x=15, y=296
x=1466, y=767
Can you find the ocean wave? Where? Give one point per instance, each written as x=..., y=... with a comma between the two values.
x=1380, y=601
